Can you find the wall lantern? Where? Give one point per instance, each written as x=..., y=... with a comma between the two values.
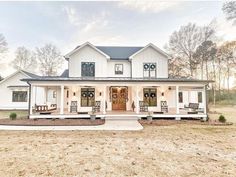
x=162, y=94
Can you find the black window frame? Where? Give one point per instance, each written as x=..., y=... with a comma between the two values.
x=17, y=98
x=87, y=73
x=180, y=97
x=149, y=69
x=199, y=100
x=89, y=101
x=117, y=72
x=148, y=98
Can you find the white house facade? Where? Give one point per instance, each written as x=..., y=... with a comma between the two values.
x=107, y=80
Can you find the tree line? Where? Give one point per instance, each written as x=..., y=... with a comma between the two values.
x=46, y=59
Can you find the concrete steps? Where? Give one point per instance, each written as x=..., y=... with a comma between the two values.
x=119, y=117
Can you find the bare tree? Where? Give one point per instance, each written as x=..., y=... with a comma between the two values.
x=50, y=59
x=184, y=43
x=229, y=8
x=228, y=50
x=25, y=59
x=3, y=44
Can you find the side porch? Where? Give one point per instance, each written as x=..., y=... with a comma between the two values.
x=80, y=100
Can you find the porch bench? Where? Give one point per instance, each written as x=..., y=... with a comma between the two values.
x=45, y=108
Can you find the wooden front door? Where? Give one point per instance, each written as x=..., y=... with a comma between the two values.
x=119, y=98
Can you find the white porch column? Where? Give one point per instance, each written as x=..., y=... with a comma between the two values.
x=32, y=96
x=204, y=99
x=104, y=99
x=62, y=100
x=177, y=99
x=137, y=100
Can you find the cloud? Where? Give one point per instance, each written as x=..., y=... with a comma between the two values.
x=225, y=29
x=150, y=6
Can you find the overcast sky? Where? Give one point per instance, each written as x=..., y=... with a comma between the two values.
x=68, y=24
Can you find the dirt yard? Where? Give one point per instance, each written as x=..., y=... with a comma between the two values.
x=174, y=150
x=228, y=111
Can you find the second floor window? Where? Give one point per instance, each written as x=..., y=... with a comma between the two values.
x=149, y=70
x=118, y=68
x=88, y=69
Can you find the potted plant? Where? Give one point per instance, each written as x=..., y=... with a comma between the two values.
x=149, y=116
x=93, y=115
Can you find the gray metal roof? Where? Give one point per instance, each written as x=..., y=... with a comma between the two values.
x=31, y=74
x=65, y=73
x=118, y=52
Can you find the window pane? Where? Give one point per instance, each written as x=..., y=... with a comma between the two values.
x=150, y=96
x=118, y=68
x=19, y=96
x=88, y=69
x=149, y=70
x=199, y=97
x=87, y=97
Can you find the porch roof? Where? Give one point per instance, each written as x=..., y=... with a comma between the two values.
x=117, y=79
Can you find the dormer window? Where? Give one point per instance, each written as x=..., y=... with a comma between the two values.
x=149, y=70
x=88, y=69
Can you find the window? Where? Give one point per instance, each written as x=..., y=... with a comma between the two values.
x=118, y=68
x=149, y=70
x=180, y=97
x=55, y=94
x=19, y=96
x=150, y=96
x=199, y=96
x=87, y=97
x=88, y=69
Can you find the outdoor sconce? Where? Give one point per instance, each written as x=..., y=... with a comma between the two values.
x=74, y=94
x=100, y=93
x=162, y=93
x=169, y=88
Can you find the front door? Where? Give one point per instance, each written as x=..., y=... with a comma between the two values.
x=119, y=98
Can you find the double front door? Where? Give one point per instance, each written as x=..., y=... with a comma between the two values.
x=119, y=96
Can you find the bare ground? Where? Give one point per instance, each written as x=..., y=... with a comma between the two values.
x=174, y=150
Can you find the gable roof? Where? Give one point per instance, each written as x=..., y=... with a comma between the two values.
x=118, y=52
x=25, y=73
x=82, y=46
x=147, y=46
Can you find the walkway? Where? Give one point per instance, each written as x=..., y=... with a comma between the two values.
x=110, y=124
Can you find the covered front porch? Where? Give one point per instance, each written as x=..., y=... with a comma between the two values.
x=140, y=99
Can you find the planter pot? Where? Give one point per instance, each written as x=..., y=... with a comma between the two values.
x=92, y=117
x=149, y=118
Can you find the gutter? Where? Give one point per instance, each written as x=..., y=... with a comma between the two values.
x=29, y=105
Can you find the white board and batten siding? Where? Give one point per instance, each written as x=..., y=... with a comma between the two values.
x=87, y=54
x=150, y=55
x=6, y=92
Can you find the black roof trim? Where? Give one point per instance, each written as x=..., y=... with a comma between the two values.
x=116, y=79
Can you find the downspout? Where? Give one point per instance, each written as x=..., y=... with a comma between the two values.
x=29, y=105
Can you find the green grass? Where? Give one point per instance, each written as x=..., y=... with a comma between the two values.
x=20, y=114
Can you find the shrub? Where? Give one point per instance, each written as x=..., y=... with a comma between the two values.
x=222, y=119
x=13, y=116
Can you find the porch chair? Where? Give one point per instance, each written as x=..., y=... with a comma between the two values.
x=97, y=106
x=143, y=107
x=164, y=106
x=73, y=106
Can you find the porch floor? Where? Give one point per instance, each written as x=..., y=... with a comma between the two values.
x=125, y=114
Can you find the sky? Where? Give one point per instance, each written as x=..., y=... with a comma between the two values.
x=124, y=23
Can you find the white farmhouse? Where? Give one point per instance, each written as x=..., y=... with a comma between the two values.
x=110, y=80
